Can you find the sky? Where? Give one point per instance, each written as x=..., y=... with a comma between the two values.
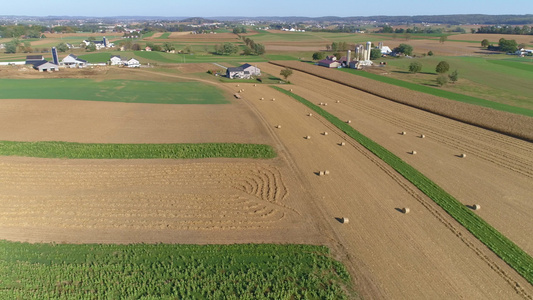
x=255, y=8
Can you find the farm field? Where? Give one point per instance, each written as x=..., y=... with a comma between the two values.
x=501, y=80
x=390, y=255
x=112, y=90
x=181, y=271
x=390, y=245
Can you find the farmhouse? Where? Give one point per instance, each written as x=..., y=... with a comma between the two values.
x=245, y=71
x=116, y=60
x=72, y=61
x=45, y=66
x=133, y=63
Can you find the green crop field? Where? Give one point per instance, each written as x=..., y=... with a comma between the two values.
x=135, y=151
x=141, y=271
x=452, y=95
x=494, y=240
x=130, y=91
x=498, y=82
x=165, y=35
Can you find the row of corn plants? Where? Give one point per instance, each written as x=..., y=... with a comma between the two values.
x=266, y=271
x=134, y=151
x=513, y=255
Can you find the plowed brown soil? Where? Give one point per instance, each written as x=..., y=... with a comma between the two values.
x=421, y=255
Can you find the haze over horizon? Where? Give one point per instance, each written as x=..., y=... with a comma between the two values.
x=279, y=8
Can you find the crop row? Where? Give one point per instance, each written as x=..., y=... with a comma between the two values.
x=497, y=242
x=134, y=151
x=515, y=125
x=44, y=271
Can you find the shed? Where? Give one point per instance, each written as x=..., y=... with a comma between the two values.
x=329, y=63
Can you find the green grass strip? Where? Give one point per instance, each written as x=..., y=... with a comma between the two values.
x=141, y=271
x=513, y=255
x=443, y=93
x=134, y=151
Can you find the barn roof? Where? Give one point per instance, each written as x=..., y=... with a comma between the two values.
x=238, y=69
x=245, y=66
x=34, y=57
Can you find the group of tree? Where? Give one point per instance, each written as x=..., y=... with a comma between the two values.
x=226, y=49
x=339, y=46
x=253, y=48
x=506, y=29
x=441, y=69
x=503, y=45
x=404, y=49
x=238, y=30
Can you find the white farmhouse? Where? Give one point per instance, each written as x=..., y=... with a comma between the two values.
x=72, y=61
x=133, y=63
x=116, y=60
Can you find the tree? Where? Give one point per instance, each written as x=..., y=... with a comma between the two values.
x=404, y=48
x=375, y=53
x=507, y=45
x=442, y=80
x=328, y=47
x=485, y=43
x=136, y=47
x=454, y=76
x=415, y=67
x=62, y=47
x=319, y=55
x=430, y=53
x=247, y=51
x=259, y=49
x=11, y=47
x=286, y=73
x=442, y=67
x=443, y=38
x=226, y=49
x=167, y=47
x=521, y=46
x=91, y=47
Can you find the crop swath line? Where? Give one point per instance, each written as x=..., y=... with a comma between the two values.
x=513, y=255
x=134, y=151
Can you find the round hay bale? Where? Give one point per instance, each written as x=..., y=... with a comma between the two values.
x=278, y=126
x=309, y=114
x=413, y=152
x=321, y=103
x=321, y=173
x=345, y=220
x=476, y=207
x=463, y=155
x=325, y=104
x=243, y=90
x=343, y=144
x=291, y=90
x=406, y=210
x=325, y=133
x=349, y=121
x=422, y=136
x=273, y=99
x=326, y=172
x=308, y=137
x=262, y=98
x=338, y=101
x=255, y=84
x=404, y=133
x=237, y=85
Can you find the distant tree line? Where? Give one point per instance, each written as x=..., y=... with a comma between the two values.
x=415, y=29
x=523, y=30
x=252, y=48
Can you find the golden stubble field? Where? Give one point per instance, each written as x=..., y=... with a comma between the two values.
x=424, y=254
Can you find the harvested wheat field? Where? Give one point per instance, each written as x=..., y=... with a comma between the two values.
x=391, y=255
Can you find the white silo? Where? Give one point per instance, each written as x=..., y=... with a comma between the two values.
x=368, y=49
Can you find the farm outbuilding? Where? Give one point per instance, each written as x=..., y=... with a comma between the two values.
x=116, y=60
x=34, y=59
x=46, y=66
x=329, y=63
x=133, y=63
